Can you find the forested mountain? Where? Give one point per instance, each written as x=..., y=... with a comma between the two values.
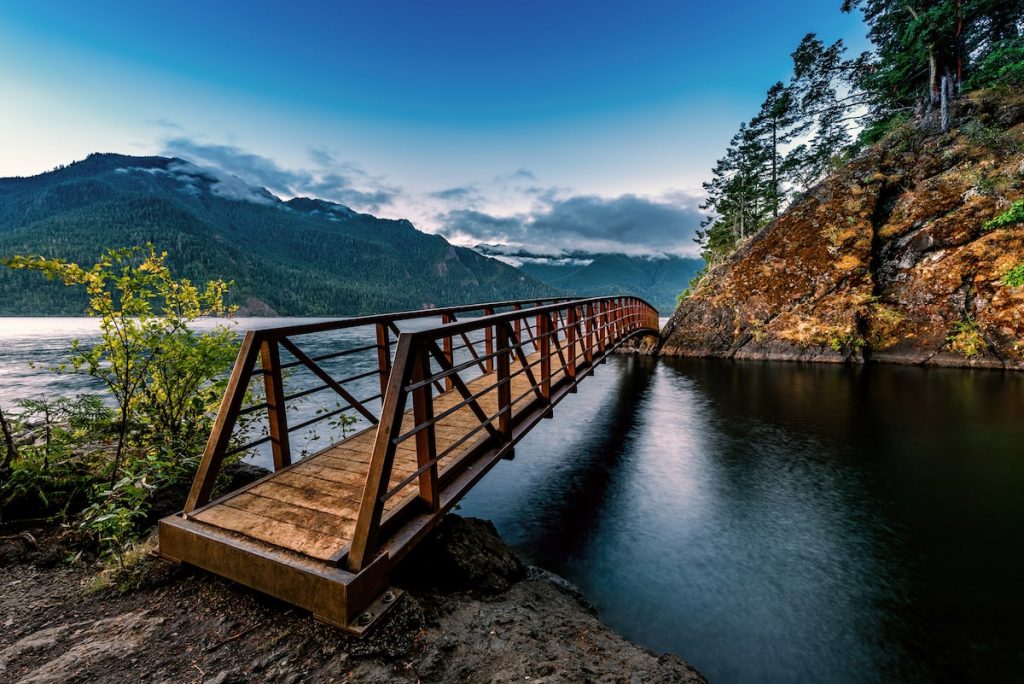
x=659, y=279
x=301, y=257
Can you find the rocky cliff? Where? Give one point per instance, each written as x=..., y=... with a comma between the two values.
x=913, y=252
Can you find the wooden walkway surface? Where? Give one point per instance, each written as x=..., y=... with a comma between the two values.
x=311, y=507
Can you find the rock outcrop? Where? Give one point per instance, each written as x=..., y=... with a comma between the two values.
x=889, y=259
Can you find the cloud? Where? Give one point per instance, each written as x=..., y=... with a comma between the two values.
x=466, y=195
x=628, y=224
x=339, y=182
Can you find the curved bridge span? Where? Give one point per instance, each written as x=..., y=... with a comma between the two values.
x=451, y=391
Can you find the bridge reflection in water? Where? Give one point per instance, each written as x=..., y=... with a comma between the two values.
x=325, y=532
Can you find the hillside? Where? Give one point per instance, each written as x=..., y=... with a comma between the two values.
x=301, y=257
x=659, y=280
x=912, y=252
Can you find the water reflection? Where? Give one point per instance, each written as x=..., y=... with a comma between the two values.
x=776, y=522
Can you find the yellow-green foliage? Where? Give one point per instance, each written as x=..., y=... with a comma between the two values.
x=162, y=376
x=1010, y=217
x=966, y=339
x=1014, y=277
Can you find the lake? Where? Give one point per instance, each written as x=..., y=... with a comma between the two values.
x=765, y=521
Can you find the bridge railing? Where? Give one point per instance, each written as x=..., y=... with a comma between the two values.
x=297, y=364
x=516, y=365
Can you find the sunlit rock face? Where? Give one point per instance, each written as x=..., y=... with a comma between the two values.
x=889, y=259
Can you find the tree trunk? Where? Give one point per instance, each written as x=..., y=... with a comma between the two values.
x=934, y=85
x=121, y=437
x=947, y=86
x=775, y=169
x=12, y=450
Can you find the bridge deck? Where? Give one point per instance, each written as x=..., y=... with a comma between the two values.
x=325, y=533
x=311, y=507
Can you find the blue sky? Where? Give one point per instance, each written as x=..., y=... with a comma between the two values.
x=483, y=120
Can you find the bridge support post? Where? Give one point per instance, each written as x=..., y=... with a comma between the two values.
x=570, y=341
x=383, y=356
x=448, y=318
x=426, y=443
x=544, y=339
x=277, y=418
x=220, y=436
x=504, y=380
x=489, y=342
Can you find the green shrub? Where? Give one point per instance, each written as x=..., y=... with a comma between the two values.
x=164, y=379
x=1010, y=217
x=966, y=338
x=1014, y=277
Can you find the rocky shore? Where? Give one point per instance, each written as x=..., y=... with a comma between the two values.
x=472, y=613
x=903, y=256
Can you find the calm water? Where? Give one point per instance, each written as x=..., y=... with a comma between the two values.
x=767, y=522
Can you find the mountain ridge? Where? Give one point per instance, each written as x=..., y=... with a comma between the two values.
x=304, y=256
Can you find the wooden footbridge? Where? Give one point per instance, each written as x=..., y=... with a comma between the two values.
x=458, y=387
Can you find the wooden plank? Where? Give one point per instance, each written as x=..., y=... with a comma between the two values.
x=315, y=544
x=309, y=518
x=307, y=497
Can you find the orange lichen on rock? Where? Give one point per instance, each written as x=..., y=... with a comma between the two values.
x=887, y=259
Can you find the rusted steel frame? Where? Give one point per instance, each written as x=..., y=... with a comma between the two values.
x=426, y=443
x=448, y=352
x=589, y=327
x=523, y=361
x=383, y=355
x=277, y=415
x=474, y=324
x=518, y=323
x=504, y=386
x=460, y=385
x=323, y=375
x=534, y=337
x=382, y=458
x=224, y=424
x=390, y=318
x=332, y=355
x=570, y=340
x=544, y=339
x=472, y=350
x=553, y=333
x=488, y=420
x=489, y=342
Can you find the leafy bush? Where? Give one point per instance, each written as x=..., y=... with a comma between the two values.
x=991, y=138
x=62, y=441
x=966, y=338
x=1014, y=277
x=165, y=381
x=1010, y=217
